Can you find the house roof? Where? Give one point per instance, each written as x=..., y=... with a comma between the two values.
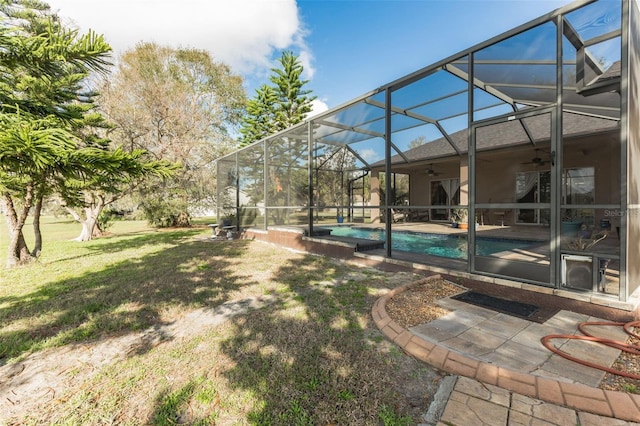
x=529, y=130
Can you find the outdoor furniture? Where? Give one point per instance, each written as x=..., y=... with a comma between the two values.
x=220, y=230
x=418, y=215
x=585, y=242
x=398, y=216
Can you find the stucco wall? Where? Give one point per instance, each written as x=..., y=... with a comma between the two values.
x=633, y=153
x=496, y=171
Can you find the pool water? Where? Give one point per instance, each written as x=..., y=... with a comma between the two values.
x=451, y=246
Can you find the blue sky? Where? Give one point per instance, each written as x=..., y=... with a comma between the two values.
x=360, y=45
x=348, y=47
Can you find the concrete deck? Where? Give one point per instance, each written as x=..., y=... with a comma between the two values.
x=506, y=376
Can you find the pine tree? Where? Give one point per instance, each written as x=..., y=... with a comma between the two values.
x=260, y=120
x=293, y=102
x=48, y=140
x=278, y=107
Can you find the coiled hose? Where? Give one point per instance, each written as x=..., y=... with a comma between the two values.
x=628, y=328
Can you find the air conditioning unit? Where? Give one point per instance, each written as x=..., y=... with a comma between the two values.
x=577, y=271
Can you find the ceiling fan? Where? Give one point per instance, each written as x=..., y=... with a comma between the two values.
x=537, y=160
x=431, y=172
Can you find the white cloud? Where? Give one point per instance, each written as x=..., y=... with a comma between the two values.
x=370, y=155
x=245, y=34
x=317, y=107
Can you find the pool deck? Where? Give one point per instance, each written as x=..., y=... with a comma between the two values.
x=532, y=254
x=517, y=232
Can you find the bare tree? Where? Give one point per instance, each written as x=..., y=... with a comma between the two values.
x=180, y=106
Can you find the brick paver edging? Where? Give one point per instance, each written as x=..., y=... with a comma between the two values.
x=581, y=397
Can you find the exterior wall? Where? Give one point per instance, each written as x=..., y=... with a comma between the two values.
x=419, y=189
x=633, y=153
x=464, y=181
x=375, y=196
x=497, y=183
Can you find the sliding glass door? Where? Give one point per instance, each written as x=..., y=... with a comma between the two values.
x=533, y=187
x=445, y=192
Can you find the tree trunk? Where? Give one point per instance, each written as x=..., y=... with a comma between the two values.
x=37, y=245
x=97, y=230
x=86, y=234
x=90, y=228
x=18, y=253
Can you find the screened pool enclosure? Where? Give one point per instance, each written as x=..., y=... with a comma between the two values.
x=528, y=144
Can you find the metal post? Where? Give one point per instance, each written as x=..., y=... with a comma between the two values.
x=387, y=165
x=471, y=171
x=237, y=184
x=266, y=184
x=623, y=293
x=310, y=171
x=556, y=165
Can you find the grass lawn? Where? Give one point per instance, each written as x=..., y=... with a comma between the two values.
x=136, y=313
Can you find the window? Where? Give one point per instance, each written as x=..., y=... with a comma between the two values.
x=535, y=187
x=444, y=192
x=578, y=186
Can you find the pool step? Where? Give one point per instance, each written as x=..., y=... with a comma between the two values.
x=358, y=244
x=365, y=245
x=318, y=231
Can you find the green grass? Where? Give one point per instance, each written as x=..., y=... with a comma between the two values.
x=77, y=291
x=390, y=418
x=312, y=356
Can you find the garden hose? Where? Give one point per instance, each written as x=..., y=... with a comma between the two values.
x=628, y=326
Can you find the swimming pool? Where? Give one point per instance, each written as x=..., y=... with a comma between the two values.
x=451, y=246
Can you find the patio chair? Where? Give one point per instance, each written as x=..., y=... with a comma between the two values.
x=398, y=216
x=585, y=242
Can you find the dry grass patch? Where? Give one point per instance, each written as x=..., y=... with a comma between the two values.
x=204, y=332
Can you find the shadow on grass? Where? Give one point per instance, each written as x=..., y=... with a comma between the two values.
x=310, y=357
x=313, y=359
x=126, y=296
x=127, y=240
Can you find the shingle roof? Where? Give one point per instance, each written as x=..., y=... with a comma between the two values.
x=509, y=133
